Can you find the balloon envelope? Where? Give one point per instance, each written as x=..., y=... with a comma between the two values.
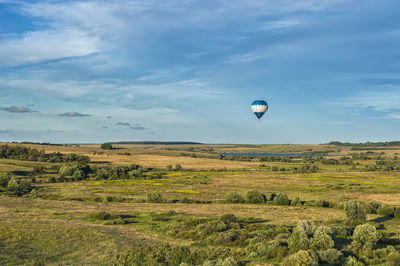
x=259, y=108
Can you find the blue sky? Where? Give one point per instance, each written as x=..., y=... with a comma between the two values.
x=96, y=71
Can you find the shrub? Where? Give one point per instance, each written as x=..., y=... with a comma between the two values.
x=18, y=187
x=267, y=250
x=329, y=256
x=298, y=240
x=281, y=199
x=338, y=230
x=102, y=216
x=302, y=257
x=372, y=207
x=5, y=178
x=106, y=146
x=178, y=167
x=233, y=197
x=254, y=196
x=228, y=218
x=154, y=197
x=386, y=210
x=352, y=261
x=393, y=258
x=355, y=212
x=296, y=202
x=308, y=227
x=322, y=239
x=397, y=213
x=365, y=233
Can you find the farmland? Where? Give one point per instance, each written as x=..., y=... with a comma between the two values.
x=85, y=205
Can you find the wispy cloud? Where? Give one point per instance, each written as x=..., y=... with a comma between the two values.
x=16, y=109
x=74, y=114
x=137, y=127
x=123, y=124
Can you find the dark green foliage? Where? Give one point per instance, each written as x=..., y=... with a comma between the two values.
x=233, y=197
x=154, y=197
x=30, y=154
x=355, y=212
x=386, y=210
x=281, y=199
x=106, y=146
x=18, y=187
x=254, y=196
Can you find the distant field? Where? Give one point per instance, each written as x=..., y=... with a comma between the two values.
x=52, y=224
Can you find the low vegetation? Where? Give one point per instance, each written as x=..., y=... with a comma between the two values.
x=190, y=204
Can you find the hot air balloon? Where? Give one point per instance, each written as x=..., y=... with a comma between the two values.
x=259, y=108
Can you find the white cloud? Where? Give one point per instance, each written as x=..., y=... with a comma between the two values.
x=35, y=47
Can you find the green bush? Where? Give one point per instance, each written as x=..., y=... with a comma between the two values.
x=18, y=187
x=302, y=257
x=322, y=239
x=228, y=218
x=393, y=258
x=254, y=196
x=5, y=178
x=372, y=207
x=102, y=216
x=365, y=233
x=154, y=197
x=281, y=199
x=233, y=197
x=338, y=230
x=298, y=240
x=355, y=212
x=386, y=210
x=329, y=256
x=397, y=213
x=352, y=261
x=106, y=146
x=296, y=202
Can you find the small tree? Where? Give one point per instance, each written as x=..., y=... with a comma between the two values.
x=106, y=146
x=322, y=239
x=233, y=197
x=154, y=197
x=365, y=233
x=355, y=212
x=281, y=199
x=254, y=196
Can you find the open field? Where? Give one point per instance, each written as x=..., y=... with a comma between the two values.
x=52, y=221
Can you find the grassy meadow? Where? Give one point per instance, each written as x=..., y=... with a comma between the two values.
x=177, y=196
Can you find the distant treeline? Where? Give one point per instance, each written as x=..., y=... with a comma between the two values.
x=365, y=144
x=42, y=143
x=158, y=142
x=30, y=154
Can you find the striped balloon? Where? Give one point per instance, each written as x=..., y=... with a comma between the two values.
x=259, y=108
